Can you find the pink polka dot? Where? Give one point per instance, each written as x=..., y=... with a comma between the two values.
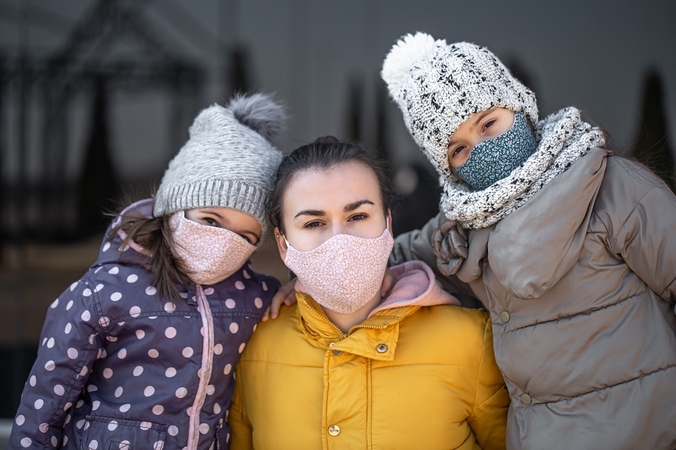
x=87, y=292
x=181, y=392
x=218, y=349
x=170, y=372
x=170, y=332
x=26, y=442
x=69, y=305
x=54, y=304
x=227, y=369
x=241, y=347
x=140, y=334
x=112, y=425
x=86, y=315
x=209, y=291
x=107, y=373
x=50, y=365
x=239, y=285
x=20, y=419
x=106, y=246
x=258, y=302
x=230, y=303
x=50, y=342
x=149, y=391
x=151, y=290
x=114, y=271
x=153, y=353
x=264, y=285
x=104, y=322
x=39, y=403
x=115, y=296
x=126, y=407
x=72, y=353
x=158, y=409
x=43, y=427
x=118, y=392
x=133, y=278
x=122, y=353
x=135, y=311
x=59, y=390
x=217, y=408
x=138, y=370
x=145, y=426
x=187, y=352
x=204, y=428
x=246, y=274
x=169, y=307
x=172, y=430
x=98, y=287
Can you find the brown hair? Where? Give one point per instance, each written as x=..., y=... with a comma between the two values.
x=154, y=234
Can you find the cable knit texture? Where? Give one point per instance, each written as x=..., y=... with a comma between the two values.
x=227, y=161
x=439, y=86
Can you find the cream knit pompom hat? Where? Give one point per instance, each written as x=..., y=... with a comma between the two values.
x=228, y=160
x=439, y=86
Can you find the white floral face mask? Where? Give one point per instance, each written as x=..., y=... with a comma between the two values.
x=210, y=254
x=344, y=272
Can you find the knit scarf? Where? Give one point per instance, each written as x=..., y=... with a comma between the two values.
x=562, y=139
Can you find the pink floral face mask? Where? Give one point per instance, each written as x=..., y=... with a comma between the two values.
x=344, y=272
x=210, y=254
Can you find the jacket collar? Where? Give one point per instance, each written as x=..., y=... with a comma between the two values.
x=377, y=336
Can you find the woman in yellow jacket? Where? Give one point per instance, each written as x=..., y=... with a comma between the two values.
x=344, y=367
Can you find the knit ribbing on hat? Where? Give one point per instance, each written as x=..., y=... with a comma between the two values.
x=227, y=161
x=439, y=86
x=562, y=138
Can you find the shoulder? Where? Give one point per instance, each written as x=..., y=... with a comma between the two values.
x=627, y=184
x=451, y=324
x=275, y=334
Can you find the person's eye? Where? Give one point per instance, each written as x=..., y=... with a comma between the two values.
x=456, y=151
x=358, y=217
x=489, y=123
x=246, y=238
x=313, y=224
x=211, y=222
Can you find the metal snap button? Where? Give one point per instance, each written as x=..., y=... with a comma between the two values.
x=334, y=430
x=504, y=316
x=381, y=348
x=526, y=400
x=337, y=352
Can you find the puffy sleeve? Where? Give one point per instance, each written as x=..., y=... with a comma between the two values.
x=240, y=427
x=417, y=245
x=69, y=345
x=646, y=241
x=489, y=415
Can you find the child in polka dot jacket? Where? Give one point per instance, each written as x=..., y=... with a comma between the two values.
x=140, y=352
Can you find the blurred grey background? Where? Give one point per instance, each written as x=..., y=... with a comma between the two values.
x=96, y=97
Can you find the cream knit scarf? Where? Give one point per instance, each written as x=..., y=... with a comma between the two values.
x=562, y=139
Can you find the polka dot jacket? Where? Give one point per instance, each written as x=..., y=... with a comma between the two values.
x=119, y=367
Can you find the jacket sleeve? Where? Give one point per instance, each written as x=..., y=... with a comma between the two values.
x=417, y=245
x=489, y=415
x=240, y=427
x=647, y=241
x=69, y=345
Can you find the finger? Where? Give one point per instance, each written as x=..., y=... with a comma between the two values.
x=266, y=315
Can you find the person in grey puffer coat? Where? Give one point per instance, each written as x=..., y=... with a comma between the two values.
x=570, y=248
x=141, y=351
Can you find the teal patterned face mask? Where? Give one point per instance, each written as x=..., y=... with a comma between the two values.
x=494, y=159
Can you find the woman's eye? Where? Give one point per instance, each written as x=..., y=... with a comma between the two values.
x=246, y=238
x=357, y=217
x=313, y=224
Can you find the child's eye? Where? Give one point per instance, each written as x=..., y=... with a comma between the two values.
x=456, y=151
x=489, y=123
x=246, y=238
x=211, y=222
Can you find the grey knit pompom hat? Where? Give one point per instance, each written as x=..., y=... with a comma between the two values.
x=228, y=160
x=439, y=86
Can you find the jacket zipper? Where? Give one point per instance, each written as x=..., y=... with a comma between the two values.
x=205, y=369
x=325, y=320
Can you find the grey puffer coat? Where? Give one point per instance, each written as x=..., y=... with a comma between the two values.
x=119, y=367
x=581, y=286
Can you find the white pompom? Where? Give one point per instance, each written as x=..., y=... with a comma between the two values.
x=406, y=52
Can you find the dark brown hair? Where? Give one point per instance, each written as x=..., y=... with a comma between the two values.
x=154, y=234
x=322, y=154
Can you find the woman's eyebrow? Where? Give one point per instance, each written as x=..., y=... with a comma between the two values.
x=357, y=204
x=310, y=212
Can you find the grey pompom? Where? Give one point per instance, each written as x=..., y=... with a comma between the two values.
x=259, y=112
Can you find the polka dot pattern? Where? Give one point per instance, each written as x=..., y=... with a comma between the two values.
x=138, y=356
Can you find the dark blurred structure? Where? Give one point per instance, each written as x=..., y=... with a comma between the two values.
x=48, y=207
x=652, y=146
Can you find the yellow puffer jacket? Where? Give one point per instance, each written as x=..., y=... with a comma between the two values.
x=411, y=376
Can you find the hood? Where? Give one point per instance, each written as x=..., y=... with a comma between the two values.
x=415, y=285
x=111, y=251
